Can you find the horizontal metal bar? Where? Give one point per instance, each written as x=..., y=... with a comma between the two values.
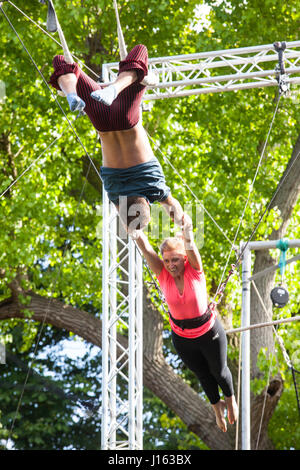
x=261, y=325
x=199, y=91
x=226, y=62
x=222, y=78
x=202, y=66
x=221, y=52
x=268, y=245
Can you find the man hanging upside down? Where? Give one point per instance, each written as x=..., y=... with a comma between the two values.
x=130, y=168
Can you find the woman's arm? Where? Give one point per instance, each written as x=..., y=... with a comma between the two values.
x=155, y=263
x=189, y=243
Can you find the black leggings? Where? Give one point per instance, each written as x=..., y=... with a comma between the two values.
x=206, y=356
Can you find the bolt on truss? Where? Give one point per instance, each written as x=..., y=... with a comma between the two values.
x=217, y=71
x=122, y=368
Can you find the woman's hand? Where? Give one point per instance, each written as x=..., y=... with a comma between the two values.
x=187, y=224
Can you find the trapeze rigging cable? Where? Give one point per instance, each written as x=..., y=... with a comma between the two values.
x=122, y=45
x=55, y=281
x=31, y=164
x=248, y=198
x=52, y=37
x=85, y=405
x=150, y=78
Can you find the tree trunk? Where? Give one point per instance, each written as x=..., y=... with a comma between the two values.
x=285, y=200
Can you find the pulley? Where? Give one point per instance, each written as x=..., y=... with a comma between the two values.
x=279, y=294
x=281, y=75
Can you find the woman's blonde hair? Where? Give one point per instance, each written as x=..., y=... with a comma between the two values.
x=172, y=243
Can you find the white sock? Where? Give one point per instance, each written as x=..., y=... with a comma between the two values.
x=105, y=95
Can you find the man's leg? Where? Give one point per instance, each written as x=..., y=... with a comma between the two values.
x=67, y=84
x=77, y=86
x=132, y=69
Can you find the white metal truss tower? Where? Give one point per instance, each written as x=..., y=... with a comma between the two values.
x=183, y=75
x=217, y=71
x=122, y=367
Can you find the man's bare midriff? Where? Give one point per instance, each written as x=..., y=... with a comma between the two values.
x=122, y=149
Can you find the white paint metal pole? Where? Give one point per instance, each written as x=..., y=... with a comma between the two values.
x=268, y=245
x=139, y=352
x=245, y=382
x=264, y=324
x=112, y=291
x=131, y=339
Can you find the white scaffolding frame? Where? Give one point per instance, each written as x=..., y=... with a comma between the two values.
x=246, y=328
x=180, y=75
x=122, y=364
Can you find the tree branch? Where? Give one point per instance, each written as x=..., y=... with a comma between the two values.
x=159, y=377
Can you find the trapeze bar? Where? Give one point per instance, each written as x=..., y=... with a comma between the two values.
x=260, y=325
x=222, y=52
x=223, y=78
x=241, y=50
x=216, y=89
x=272, y=268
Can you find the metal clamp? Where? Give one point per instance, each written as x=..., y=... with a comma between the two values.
x=281, y=75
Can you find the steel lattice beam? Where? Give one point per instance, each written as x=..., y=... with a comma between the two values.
x=216, y=72
x=122, y=369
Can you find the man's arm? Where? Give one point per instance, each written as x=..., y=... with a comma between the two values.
x=189, y=243
x=155, y=263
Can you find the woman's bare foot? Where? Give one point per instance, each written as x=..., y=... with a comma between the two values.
x=219, y=409
x=232, y=409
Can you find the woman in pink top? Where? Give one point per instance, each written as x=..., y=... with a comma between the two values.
x=197, y=335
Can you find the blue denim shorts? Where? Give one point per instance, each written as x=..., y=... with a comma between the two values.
x=145, y=180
